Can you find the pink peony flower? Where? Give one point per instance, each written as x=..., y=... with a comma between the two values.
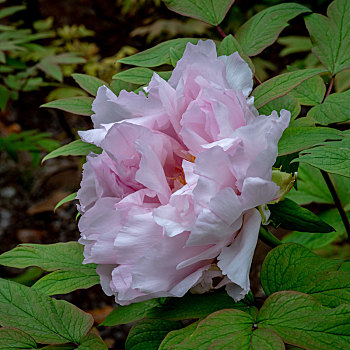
x=171, y=201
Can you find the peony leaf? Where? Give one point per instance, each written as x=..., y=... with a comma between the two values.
x=13, y=338
x=279, y=86
x=293, y=267
x=294, y=44
x=292, y=216
x=333, y=157
x=263, y=29
x=310, y=92
x=75, y=148
x=80, y=105
x=130, y=313
x=320, y=239
x=48, y=321
x=148, y=334
x=69, y=198
x=139, y=75
x=176, y=337
x=335, y=109
x=158, y=55
x=300, y=320
x=88, y=83
x=209, y=11
x=63, y=282
x=4, y=97
x=92, y=342
x=330, y=36
x=287, y=102
x=295, y=139
x=49, y=257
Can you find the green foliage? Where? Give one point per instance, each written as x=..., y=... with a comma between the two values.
x=12, y=338
x=75, y=148
x=140, y=75
x=88, y=83
x=330, y=36
x=67, y=199
x=287, y=102
x=209, y=11
x=78, y=105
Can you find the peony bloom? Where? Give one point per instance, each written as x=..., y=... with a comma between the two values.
x=171, y=201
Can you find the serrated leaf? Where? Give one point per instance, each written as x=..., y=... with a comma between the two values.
x=287, y=102
x=129, y=313
x=13, y=338
x=263, y=29
x=209, y=11
x=139, y=75
x=295, y=139
x=310, y=92
x=92, y=342
x=335, y=109
x=300, y=320
x=330, y=36
x=294, y=44
x=48, y=321
x=293, y=267
x=332, y=157
x=280, y=85
x=229, y=45
x=88, y=82
x=233, y=327
x=193, y=306
x=75, y=148
x=159, y=54
x=63, y=282
x=320, y=239
x=176, y=337
x=66, y=199
x=49, y=257
x=77, y=105
x=148, y=334
x=291, y=216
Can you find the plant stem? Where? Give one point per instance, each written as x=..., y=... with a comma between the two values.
x=329, y=89
x=257, y=79
x=267, y=237
x=337, y=201
x=222, y=33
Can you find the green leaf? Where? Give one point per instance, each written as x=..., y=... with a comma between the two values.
x=264, y=339
x=300, y=320
x=176, y=337
x=75, y=148
x=295, y=139
x=66, y=199
x=47, y=320
x=287, y=102
x=294, y=44
x=293, y=267
x=291, y=216
x=342, y=80
x=88, y=83
x=49, y=257
x=148, y=334
x=232, y=327
x=175, y=56
x=129, y=313
x=76, y=105
x=320, y=239
x=158, y=55
x=92, y=342
x=118, y=85
x=330, y=36
x=335, y=109
x=195, y=306
x=139, y=75
x=310, y=92
x=209, y=11
x=333, y=157
x=263, y=29
x=229, y=45
x=12, y=338
x=4, y=97
x=10, y=10
x=280, y=85
x=63, y=282
x=51, y=69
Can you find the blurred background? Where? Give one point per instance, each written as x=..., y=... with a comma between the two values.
x=42, y=43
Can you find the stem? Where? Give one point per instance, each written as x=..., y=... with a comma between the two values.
x=329, y=89
x=257, y=79
x=337, y=201
x=267, y=237
x=222, y=33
